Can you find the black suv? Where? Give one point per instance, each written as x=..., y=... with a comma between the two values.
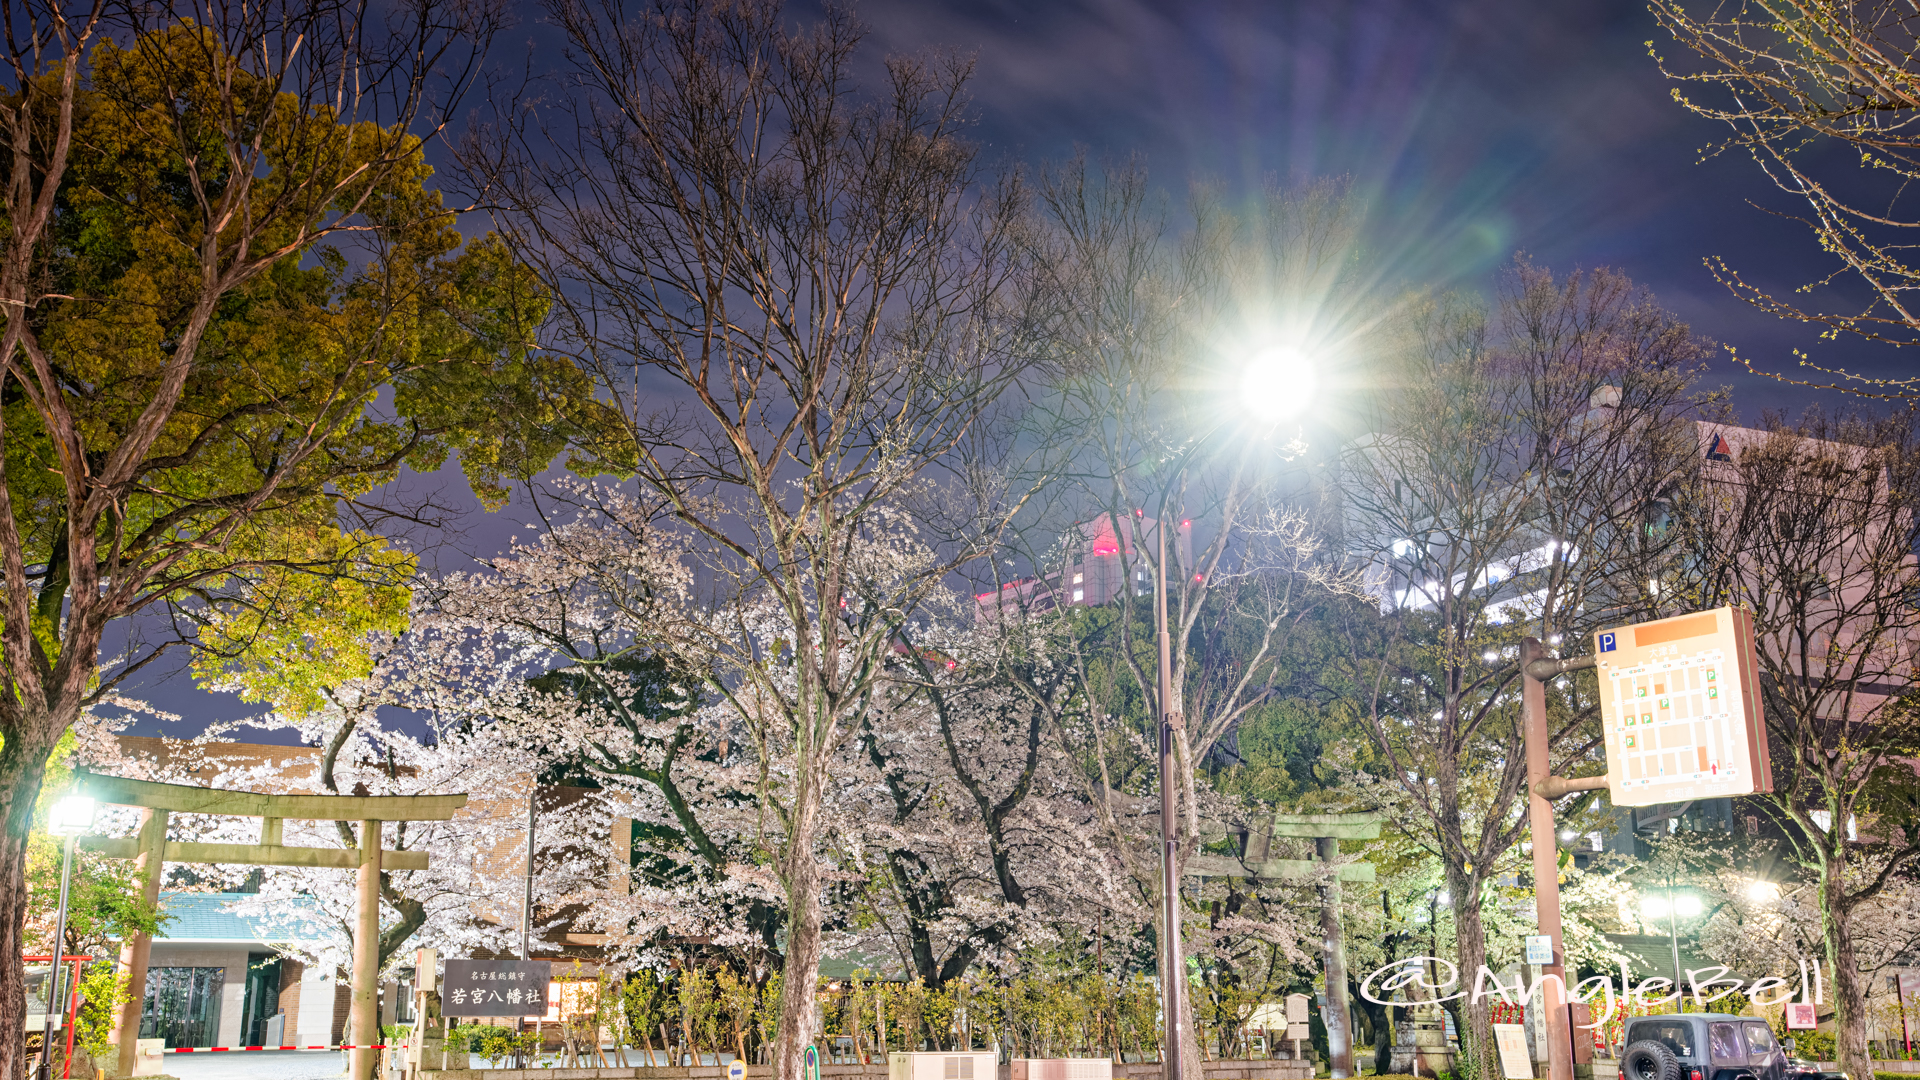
x=1702, y=1046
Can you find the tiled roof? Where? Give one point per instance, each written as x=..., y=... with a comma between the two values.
x=206, y=917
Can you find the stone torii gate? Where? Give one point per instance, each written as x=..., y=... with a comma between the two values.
x=151, y=849
x=1256, y=861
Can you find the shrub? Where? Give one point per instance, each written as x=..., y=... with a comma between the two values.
x=492, y=1042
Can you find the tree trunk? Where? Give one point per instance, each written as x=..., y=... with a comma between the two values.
x=798, y=1016
x=1476, y=1033
x=1333, y=938
x=1849, y=996
x=23, y=767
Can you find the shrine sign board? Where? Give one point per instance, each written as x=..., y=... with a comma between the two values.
x=1516, y=1060
x=495, y=987
x=1680, y=699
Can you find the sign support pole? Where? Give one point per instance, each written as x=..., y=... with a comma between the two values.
x=1535, y=669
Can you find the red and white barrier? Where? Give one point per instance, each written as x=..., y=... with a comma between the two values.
x=237, y=1048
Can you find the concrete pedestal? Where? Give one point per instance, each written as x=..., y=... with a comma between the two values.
x=1420, y=1038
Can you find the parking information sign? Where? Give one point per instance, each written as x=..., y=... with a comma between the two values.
x=1680, y=699
x=1539, y=948
x=495, y=988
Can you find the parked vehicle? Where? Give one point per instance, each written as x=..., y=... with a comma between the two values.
x=1802, y=1069
x=1708, y=1046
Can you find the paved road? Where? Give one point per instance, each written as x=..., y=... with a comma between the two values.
x=258, y=1065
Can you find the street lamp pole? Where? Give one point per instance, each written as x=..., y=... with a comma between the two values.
x=70, y=817
x=1172, y=977
x=1673, y=931
x=59, y=949
x=1275, y=386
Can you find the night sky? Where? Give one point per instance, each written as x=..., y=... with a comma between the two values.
x=1476, y=129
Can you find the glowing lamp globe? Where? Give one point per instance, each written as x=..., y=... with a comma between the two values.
x=1277, y=384
x=70, y=816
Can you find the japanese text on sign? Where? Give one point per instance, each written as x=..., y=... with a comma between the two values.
x=495, y=987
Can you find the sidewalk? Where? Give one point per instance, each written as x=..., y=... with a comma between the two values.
x=258, y=1065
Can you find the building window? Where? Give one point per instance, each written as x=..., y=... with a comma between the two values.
x=182, y=1005
x=1078, y=578
x=1079, y=595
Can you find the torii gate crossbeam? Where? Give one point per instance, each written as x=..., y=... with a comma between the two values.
x=152, y=849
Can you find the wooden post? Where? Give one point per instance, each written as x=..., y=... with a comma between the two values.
x=138, y=948
x=365, y=1012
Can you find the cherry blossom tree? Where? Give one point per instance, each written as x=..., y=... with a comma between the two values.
x=979, y=841
x=805, y=301
x=962, y=830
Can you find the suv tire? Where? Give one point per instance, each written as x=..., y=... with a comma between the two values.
x=1649, y=1059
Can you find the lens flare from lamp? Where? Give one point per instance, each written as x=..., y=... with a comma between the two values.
x=1277, y=383
x=70, y=816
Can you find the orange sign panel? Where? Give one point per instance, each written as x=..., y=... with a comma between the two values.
x=1680, y=699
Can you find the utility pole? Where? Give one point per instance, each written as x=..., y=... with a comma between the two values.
x=1542, y=788
x=1174, y=974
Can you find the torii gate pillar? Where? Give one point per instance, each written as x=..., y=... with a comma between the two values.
x=366, y=956
x=138, y=948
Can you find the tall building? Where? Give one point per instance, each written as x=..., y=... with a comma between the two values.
x=1101, y=562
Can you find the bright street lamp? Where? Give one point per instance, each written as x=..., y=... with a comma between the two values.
x=1672, y=906
x=69, y=817
x=1276, y=384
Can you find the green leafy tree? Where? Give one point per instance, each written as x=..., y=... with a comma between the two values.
x=234, y=310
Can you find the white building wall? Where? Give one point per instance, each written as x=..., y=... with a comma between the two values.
x=315, y=1022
